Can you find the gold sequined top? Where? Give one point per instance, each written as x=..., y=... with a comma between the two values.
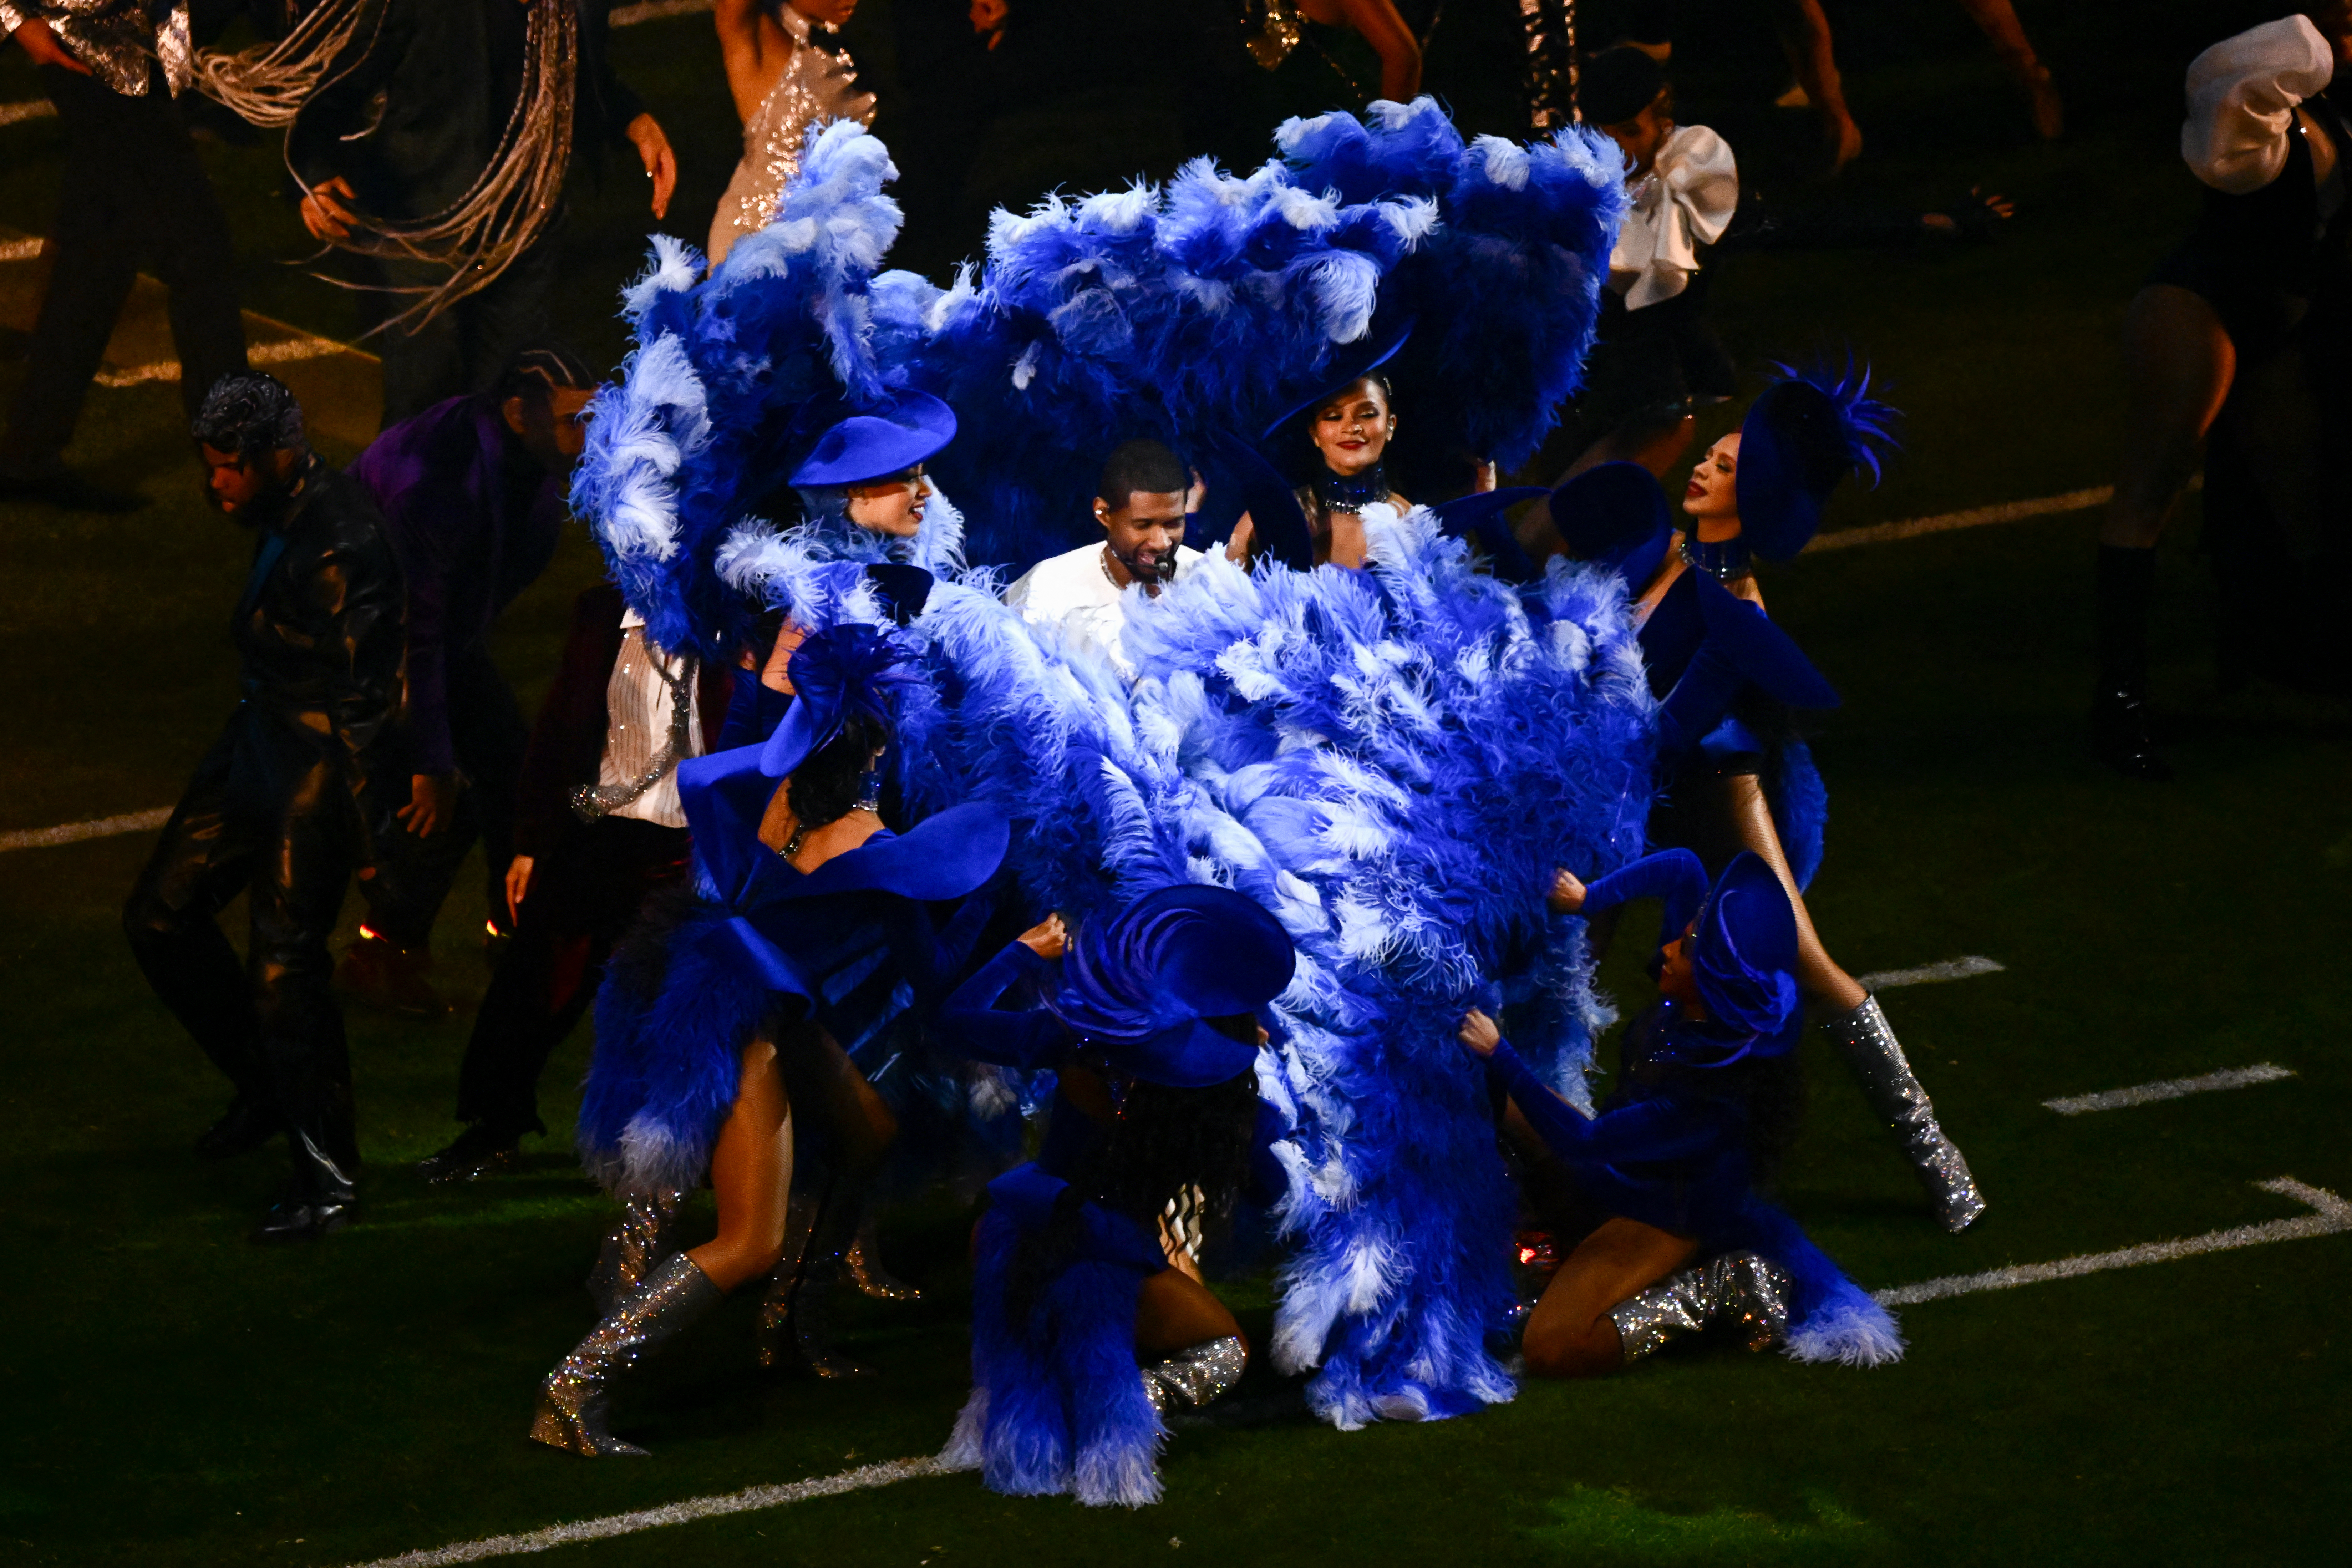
x=817, y=86
x=115, y=39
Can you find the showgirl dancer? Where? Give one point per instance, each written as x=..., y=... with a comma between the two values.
x=1348, y=427
x=1085, y=1335
x=1674, y=1158
x=1736, y=776
x=717, y=1022
x=785, y=83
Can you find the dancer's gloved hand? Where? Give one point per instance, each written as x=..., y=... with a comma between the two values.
x=1049, y=939
x=1479, y=1034
x=1567, y=895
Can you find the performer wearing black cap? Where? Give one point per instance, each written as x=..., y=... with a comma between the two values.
x=285, y=804
x=1674, y=1157
x=717, y=1027
x=1085, y=1335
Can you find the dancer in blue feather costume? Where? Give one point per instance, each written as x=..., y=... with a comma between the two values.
x=722, y=1013
x=1734, y=773
x=1675, y=1156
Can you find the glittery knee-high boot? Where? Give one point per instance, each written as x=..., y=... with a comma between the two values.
x=1897, y=1099
x=1741, y=1288
x=575, y=1402
x=1195, y=1374
x=632, y=1248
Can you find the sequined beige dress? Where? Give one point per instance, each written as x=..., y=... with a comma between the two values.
x=816, y=86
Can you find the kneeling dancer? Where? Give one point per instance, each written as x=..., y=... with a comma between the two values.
x=1084, y=1333
x=1674, y=1156
x=714, y=1025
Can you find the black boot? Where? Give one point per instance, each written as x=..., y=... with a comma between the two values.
x=2120, y=729
x=321, y=1199
x=480, y=1150
x=249, y=1121
x=796, y=1317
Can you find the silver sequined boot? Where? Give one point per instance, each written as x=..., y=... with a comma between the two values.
x=1196, y=1375
x=1739, y=1288
x=1897, y=1099
x=575, y=1401
x=634, y=1249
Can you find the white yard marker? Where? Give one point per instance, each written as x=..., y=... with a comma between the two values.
x=1930, y=974
x=2330, y=1215
x=75, y=832
x=2169, y=1088
x=288, y=351
x=889, y=1473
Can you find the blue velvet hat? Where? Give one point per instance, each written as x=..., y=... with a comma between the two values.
x=844, y=669
x=1802, y=435
x=913, y=426
x=1349, y=366
x=1140, y=985
x=1614, y=515
x=1745, y=957
x=1479, y=515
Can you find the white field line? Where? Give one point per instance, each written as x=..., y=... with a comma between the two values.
x=889, y=1473
x=2330, y=1215
x=623, y=16
x=2169, y=1088
x=287, y=351
x=75, y=832
x=1930, y=974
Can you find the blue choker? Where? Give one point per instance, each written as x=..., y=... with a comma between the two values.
x=1725, y=560
x=1343, y=493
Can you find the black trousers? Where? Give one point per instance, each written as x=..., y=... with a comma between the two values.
x=133, y=190
x=463, y=349
x=413, y=875
x=271, y=817
x=584, y=898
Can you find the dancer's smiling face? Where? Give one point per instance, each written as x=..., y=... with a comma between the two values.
x=893, y=505
x=1351, y=428
x=1712, y=497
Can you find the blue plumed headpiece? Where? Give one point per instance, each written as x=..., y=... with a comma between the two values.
x=1745, y=958
x=1140, y=985
x=1614, y=515
x=1802, y=435
x=911, y=428
x=847, y=670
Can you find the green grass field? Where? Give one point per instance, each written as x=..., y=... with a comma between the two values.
x=170, y=1396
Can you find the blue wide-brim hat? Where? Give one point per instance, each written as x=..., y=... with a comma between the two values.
x=1614, y=515
x=1745, y=956
x=1140, y=986
x=1350, y=364
x=1479, y=515
x=1802, y=435
x=842, y=670
x=911, y=429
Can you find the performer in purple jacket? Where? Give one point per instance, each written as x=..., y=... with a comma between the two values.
x=472, y=492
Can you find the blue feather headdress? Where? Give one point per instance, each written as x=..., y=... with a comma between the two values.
x=1803, y=435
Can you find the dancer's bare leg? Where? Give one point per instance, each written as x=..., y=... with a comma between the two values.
x=1570, y=1332
x=1805, y=39
x=751, y=1174
x=2178, y=364
x=1996, y=20
x=1816, y=971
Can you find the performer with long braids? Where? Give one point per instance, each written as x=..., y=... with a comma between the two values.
x=1736, y=776
x=715, y=1024
x=1674, y=1158
x=1084, y=1333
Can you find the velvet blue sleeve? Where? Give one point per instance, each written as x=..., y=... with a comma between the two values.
x=1697, y=704
x=1031, y=1040
x=1649, y=1130
x=1676, y=877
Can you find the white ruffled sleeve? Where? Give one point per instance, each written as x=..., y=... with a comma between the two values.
x=1684, y=201
x=2242, y=98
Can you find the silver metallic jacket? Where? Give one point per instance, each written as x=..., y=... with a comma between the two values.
x=115, y=39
